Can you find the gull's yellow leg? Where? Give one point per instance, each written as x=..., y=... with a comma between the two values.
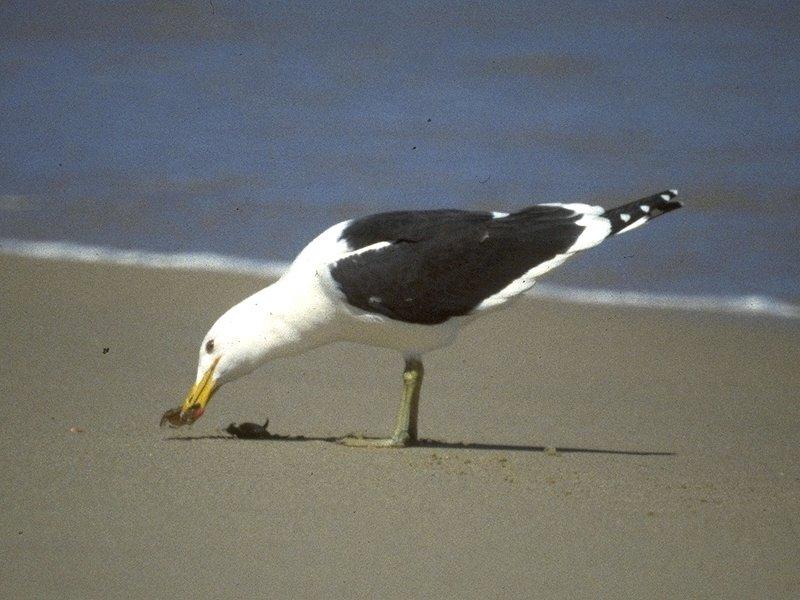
x=405, y=430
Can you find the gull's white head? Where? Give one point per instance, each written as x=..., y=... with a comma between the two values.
x=246, y=336
x=236, y=344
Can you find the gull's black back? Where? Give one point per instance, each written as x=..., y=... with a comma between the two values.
x=444, y=263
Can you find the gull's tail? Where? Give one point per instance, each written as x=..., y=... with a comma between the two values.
x=632, y=215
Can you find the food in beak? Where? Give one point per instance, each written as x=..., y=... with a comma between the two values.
x=176, y=417
x=195, y=404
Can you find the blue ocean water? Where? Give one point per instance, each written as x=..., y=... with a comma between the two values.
x=244, y=128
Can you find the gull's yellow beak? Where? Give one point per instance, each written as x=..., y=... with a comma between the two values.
x=196, y=400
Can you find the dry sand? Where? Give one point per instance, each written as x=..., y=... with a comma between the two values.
x=127, y=510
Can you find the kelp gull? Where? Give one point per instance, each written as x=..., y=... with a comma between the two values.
x=402, y=280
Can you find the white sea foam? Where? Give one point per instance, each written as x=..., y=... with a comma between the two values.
x=751, y=304
x=201, y=261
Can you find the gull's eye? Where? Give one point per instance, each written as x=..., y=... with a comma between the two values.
x=210, y=346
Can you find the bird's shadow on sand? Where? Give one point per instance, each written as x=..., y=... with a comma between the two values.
x=234, y=433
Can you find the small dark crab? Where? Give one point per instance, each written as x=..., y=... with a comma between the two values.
x=250, y=431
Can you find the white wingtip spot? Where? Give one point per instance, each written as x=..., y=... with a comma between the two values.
x=645, y=208
x=625, y=217
x=665, y=196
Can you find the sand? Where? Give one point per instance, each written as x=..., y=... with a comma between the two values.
x=677, y=471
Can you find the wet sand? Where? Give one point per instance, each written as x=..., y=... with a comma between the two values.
x=676, y=476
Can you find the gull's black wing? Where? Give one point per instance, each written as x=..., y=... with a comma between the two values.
x=433, y=265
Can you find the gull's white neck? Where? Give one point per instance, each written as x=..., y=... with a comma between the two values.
x=288, y=317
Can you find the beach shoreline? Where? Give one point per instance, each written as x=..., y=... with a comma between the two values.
x=61, y=251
